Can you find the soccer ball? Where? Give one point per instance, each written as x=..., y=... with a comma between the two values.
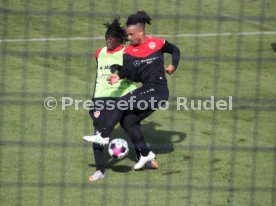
x=118, y=148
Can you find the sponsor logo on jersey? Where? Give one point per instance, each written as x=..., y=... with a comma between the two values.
x=148, y=60
x=136, y=63
x=104, y=67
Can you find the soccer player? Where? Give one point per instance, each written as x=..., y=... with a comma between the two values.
x=111, y=54
x=143, y=61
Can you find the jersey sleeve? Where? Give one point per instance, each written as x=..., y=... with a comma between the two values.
x=174, y=51
x=97, y=53
x=123, y=73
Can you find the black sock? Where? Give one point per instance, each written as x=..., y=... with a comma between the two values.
x=145, y=152
x=138, y=154
x=99, y=157
x=143, y=148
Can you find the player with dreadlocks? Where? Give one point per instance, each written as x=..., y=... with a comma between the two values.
x=112, y=53
x=143, y=61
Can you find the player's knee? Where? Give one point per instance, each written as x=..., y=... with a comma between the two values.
x=122, y=125
x=127, y=123
x=106, y=131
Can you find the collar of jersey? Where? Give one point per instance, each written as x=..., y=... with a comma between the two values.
x=118, y=48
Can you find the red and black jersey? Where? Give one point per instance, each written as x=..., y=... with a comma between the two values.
x=145, y=63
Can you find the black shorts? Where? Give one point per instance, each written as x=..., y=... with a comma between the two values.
x=100, y=113
x=147, y=97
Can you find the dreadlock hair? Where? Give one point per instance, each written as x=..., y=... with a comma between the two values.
x=138, y=17
x=115, y=30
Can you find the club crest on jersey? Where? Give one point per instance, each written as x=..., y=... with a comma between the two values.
x=97, y=114
x=152, y=45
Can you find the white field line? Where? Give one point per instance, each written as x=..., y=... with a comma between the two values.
x=165, y=36
x=256, y=23
x=52, y=39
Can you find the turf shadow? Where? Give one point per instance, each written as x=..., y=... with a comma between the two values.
x=160, y=142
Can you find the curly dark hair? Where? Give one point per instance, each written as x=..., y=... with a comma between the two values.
x=115, y=30
x=138, y=17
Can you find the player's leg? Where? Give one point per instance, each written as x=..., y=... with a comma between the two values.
x=131, y=124
x=132, y=132
x=98, y=118
x=99, y=163
x=146, y=94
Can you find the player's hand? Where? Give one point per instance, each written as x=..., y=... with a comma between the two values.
x=170, y=69
x=114, y=68
x=113, y=79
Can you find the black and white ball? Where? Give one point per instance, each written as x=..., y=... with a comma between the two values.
x=118, y=148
